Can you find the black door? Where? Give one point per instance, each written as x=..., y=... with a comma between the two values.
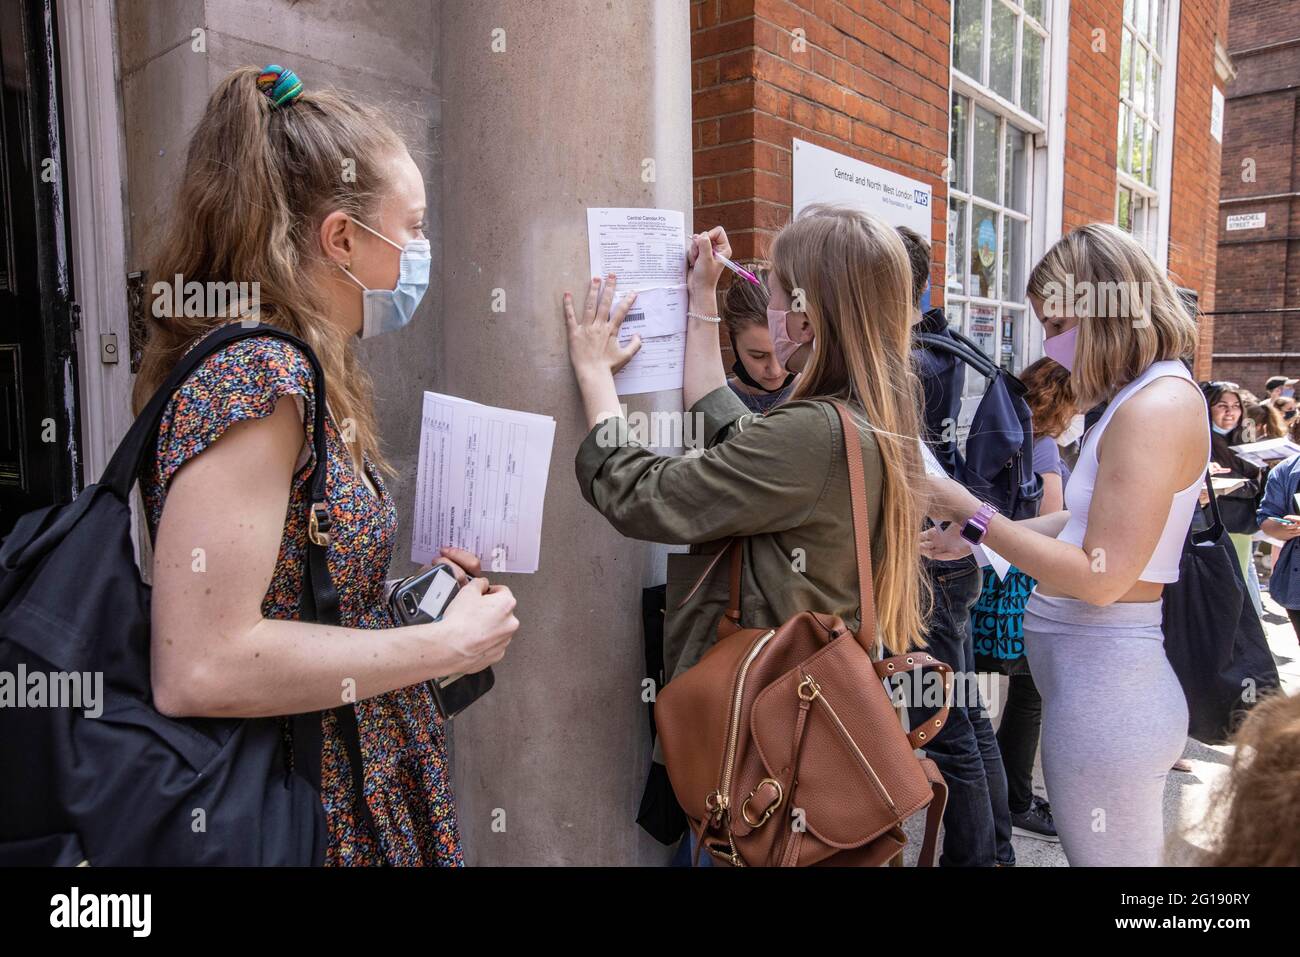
x=39, y=439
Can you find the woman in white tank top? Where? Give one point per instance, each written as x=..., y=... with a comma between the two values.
x=1114, y=716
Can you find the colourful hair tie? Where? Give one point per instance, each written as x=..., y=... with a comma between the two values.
x=280, y=85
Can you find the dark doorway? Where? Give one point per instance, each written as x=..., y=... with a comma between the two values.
x=39, y=439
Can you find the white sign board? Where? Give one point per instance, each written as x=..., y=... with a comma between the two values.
x=824, y=176
x=1216, y=113
x=1246, y=221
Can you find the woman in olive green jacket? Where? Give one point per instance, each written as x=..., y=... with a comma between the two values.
x=839, y=314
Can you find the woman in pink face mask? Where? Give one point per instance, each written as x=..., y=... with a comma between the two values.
x=1114, y=715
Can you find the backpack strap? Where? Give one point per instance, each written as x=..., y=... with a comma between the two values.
x=962, y=348
x=320, y=600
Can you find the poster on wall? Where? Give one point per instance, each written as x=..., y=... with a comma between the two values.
x=984, y=327
x=824, y=176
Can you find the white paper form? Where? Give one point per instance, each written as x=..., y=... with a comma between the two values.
x=646, y=250
x=481, y=482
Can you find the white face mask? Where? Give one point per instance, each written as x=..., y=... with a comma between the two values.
x=1072, y=432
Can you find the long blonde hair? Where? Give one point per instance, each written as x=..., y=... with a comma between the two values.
x=258, y=181
x=1130, y=313
x=849, y=273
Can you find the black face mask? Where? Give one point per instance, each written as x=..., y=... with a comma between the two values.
x=743, y=375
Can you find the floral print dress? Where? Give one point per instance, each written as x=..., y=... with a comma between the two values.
x=407, y=773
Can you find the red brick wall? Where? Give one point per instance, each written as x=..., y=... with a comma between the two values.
x=872, y=83
x=1193, y=214
x=1259, y=269
x=1092, y=112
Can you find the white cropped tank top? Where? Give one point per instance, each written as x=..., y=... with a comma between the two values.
x=1163, y=566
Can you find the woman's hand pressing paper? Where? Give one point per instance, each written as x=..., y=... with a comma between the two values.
x=593, y=336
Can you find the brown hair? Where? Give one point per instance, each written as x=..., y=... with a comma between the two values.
x=1130, y=313
x=258, y=181
x=848, y=272
x=1049, y=396
x=1267, y=420
x=918, y=256
x=1261, y=794
x=744, y=304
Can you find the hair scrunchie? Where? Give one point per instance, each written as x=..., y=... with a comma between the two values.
x=281, y=85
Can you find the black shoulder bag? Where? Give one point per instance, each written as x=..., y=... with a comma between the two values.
x=131, y=786
x=1213, y=638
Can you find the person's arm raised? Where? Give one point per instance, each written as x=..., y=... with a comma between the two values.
x=215, y=655
x=1140, y=470
x=703, y=370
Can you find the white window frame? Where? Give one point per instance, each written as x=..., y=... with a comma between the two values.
x=1045, y=154
x=1161, y=121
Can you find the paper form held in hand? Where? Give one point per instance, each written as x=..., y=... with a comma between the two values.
x=983, y=554
x=481, y=483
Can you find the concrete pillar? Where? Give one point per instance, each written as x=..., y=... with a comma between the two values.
x=549, y=109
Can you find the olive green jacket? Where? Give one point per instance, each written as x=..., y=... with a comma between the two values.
x=779, y=479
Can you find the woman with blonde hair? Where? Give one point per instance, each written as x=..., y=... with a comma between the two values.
x=331, y=258
x=1114, y=715
x=839, y=314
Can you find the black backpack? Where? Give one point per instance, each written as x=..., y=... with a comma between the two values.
x=999, y=462
x=132, y=787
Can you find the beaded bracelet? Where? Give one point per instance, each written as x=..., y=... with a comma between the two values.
x=704, y=318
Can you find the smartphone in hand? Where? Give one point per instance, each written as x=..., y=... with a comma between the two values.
x=424, y=598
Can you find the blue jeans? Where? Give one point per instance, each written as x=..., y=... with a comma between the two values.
x=977, y=822
x=686, y=853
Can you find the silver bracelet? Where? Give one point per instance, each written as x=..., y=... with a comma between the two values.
x=699, y=315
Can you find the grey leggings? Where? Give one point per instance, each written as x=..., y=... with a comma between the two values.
x=1114, y=722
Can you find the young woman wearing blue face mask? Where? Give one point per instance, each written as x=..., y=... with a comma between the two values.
x=262, y=201
x=1114, y=715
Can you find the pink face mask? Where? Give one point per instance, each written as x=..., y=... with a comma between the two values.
x=1061, y=347
x=782, y=345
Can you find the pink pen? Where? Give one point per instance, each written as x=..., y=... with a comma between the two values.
x=738, y=270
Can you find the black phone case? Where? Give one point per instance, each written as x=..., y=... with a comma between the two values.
x=454, y=698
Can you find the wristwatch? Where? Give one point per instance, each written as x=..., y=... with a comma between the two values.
x=977, y=526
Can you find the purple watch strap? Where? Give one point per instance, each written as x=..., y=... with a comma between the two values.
x=977, y=526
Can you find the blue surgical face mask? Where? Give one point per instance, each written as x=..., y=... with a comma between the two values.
x=1219, y=430
x=384, y=310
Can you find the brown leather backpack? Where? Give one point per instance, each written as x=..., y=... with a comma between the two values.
x=782, y=744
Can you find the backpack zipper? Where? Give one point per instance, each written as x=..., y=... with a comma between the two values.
x=717, y=802
x=816, y=695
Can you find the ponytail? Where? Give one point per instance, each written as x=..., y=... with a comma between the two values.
x=265, y=165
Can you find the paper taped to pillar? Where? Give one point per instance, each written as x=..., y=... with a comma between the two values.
x=646, y=250
x=824, y=176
